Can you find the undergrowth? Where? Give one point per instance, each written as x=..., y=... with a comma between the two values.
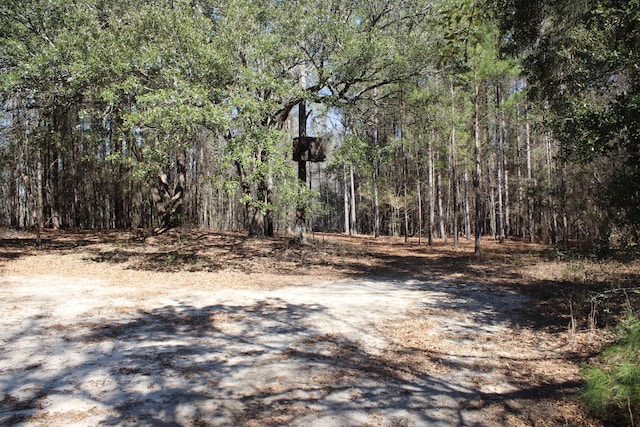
x=613, y=383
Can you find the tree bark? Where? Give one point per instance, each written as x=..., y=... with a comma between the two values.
x=430, y=173
x=563, y=201
x=301, y=217
x=376, y=142
x=530, y=225
x=521, y=209
x=551, y=200
x=467, y=210
x=39, y=214
x=345, y=188
x=353, y=230
x=499, y=172
x=454, y=171
x=15, y=197
x=477, y=155
x=493, y=212
x=419, y=195
x=266, y=194
x=376, y=203
x=116, y=189
x=441, y=219
x=499, y=205
x=169, y=202
x=404, y=191
x=505, y=171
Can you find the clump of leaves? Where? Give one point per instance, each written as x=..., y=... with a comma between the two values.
x=613, y=385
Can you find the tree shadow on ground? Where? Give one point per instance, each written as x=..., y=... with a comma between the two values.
x=263, y=363
x=336, y=256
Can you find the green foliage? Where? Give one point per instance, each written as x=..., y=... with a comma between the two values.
x=293, y=194
x=581, y=59
x=613, y=386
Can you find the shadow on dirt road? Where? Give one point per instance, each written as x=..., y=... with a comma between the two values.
x=322, y=355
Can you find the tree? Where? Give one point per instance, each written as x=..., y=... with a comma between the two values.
x=131, y=81
x=124, y=113
x=580, y=58
x=347, y=50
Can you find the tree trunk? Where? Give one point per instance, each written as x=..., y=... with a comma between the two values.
x=169, y=202
x=563, y=195
x=530, y=225
x=256, y=222
x=266, y=195
x=443, y=233
x=376, y=204
x=404, y=195
x=505, y=170
x=454, y=171
x=301, y=217
x=504, y=149
x=52, y=186
x=499, y=164
x=431, y=196
x=15, y=197
x=493, y=213
x=376, y=142
x=419, y=195
x=353, y=230
x=345, y=187
x=551, y=199
x=477, y=155
x=467, y=213
x=117, y=191
x=39, y=214
x=499, y=205
x=521, y=209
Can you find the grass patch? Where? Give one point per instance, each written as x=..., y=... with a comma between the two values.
x=613, y=385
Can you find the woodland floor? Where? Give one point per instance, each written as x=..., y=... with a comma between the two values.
x=197, y=328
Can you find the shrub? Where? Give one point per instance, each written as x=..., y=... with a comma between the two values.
x=613, y=385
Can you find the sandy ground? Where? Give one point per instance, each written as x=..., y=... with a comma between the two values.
x=101, y=349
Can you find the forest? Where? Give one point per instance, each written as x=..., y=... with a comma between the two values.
x=467, y=171
x=442, y=118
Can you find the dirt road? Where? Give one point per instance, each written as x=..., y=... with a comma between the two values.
x=87, y=342
x=85, y=352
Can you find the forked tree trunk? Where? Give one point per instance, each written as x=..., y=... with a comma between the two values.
x=169, y=201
